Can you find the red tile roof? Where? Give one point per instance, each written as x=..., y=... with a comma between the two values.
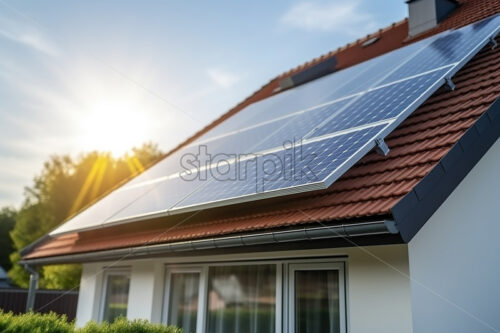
x=369, y=189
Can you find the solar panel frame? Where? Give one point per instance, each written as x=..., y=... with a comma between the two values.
x=374, y=101
x=337, y=94
x=345, y=90
x=294, y=189
x=390, y=125
x=92, y=222
x=396, y=121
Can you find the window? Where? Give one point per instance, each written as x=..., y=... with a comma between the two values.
x=265, y=297
x=183, y=300
x=241, y=299
x=115, y=300
x=316, y=301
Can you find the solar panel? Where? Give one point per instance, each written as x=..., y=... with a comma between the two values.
x=305, y=169
x=382, y=103
x=455, y=47
x=103, y=209
x=297, y=126
x=329, y=88
x=299, y=140
x=315, y=162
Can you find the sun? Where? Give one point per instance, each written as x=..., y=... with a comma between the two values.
x=113, y=126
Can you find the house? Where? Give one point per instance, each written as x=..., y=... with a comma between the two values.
x=4, y=279
x=403, y=240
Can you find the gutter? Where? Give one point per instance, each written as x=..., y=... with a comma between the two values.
x=267, y=238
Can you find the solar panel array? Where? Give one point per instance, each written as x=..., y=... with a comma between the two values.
x=299, y=140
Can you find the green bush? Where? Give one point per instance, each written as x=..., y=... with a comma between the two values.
x=53, y=323
x=34, y=323
x=122, y=325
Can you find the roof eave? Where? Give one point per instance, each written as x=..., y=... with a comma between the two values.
x=28, y=248
x=415, y=208
x=245, y=242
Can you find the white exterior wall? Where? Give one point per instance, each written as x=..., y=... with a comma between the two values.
x=146, y=290
x=455, y=257
x=90, y=294
x=378, y=290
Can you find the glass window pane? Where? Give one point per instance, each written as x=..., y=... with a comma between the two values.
x=317, y=301
x=115, y=304
x=241, y=299
x=183, y=303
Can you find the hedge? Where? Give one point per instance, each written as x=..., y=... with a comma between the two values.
x=53, y=323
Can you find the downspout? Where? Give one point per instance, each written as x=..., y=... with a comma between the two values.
x=30, y=301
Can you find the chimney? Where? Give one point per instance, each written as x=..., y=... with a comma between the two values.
x=426, y=14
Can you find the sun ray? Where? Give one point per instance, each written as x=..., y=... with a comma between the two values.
x=137, y=164
x=85, y=188
x=103, y=164
x=131, y=166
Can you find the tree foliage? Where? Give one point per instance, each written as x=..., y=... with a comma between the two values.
x=64, y=187
x=7, y=221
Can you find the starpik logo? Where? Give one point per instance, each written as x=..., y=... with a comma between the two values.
x=266, y=170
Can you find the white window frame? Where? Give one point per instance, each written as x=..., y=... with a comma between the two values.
x=317, y=266
x=279, y=288
x=107, y=273
x=283, y=297
x=202, y=292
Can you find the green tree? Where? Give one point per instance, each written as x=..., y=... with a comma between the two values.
x=7, y=221
x=65, y=187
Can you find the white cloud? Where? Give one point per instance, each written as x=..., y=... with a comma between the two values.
x=15, y=173
x=334, y=16
x=223, y=78
x=27, y=36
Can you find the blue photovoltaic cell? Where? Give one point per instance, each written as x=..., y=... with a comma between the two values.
x=298, y=126
x=435, y=52
x=380, y=104
x=244, y=118
x=378, y=70
x=308, y=163
x=269, y=135
x=370, y=108
x=251, y=140
x=243, y=142
x=166, y=194
x=164, y=168
x=338, y=117
x=451, y=47
x=288, y=129
x=167, y=167
x=326, y=89
x=327, y=155
x=99, y=212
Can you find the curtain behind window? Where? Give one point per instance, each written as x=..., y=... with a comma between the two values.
x=242, y=299
x=116, y=301
x=317, y=301
x=183, y=303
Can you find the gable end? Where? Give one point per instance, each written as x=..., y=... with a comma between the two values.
x=414, y=209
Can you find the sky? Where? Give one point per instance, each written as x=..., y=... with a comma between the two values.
x=77, y=76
